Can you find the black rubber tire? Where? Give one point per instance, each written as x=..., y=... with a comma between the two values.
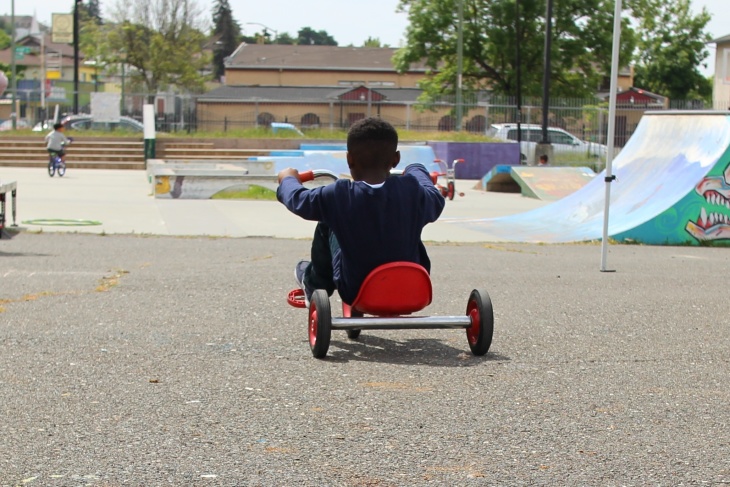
x=51, y=168
x=61, y=169
x=319, y=326
x=451, y=191
x=479, y=308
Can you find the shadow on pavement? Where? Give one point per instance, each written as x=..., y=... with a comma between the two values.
x=423, y=351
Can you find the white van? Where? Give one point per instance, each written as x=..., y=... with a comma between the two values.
x=563, y=142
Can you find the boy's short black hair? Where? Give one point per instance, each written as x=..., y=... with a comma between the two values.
x=57, y=126
x=372, y=141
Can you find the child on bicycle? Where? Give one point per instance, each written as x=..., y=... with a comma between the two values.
x=367, y=222
x=56, y=141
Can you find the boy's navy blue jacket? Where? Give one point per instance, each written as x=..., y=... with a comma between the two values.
x=373, y=226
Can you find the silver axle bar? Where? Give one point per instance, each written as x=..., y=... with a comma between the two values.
x=401, y=322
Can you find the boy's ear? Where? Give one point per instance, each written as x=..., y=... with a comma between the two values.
x=396, y=158
x=349, y=160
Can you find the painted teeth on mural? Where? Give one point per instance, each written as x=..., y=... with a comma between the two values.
x=703, y=218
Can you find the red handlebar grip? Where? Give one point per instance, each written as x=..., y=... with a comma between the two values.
x=306, y=176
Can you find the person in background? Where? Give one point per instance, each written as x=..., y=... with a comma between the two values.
x=56, y=141
x=543, y=161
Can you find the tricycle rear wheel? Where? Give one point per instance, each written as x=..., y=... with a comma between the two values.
x=354, y=334
x=479, y=334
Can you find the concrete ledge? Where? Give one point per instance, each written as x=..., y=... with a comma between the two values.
x=195, y=179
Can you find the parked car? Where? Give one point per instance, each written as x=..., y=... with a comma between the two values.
x=86, y=122
x=563, y=142
x=20, y=124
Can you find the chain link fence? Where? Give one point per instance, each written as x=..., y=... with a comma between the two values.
x=195, y=113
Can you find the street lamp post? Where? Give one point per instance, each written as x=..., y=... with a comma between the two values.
x=266, y=27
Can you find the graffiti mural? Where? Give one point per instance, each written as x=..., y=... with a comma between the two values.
x=713, y=222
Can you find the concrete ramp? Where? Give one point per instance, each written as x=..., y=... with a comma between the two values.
x=499, y=180
x=551, y=183
x=672, y=188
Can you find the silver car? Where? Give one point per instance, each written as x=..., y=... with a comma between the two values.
x=563, y=142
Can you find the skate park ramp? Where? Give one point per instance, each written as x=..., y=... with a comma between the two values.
x=551, y=183
x=671, y=189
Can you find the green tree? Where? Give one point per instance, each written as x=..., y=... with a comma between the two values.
x=93, y=8
x=672, y=45
x=285, y=38
x=163, y=41
x=94, y=43
x=580, y=55
x=5, y=40
x=90, y=11
x=372, y=42
x=226, y=32
x=308, y=36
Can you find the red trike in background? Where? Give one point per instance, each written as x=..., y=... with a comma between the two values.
x=449, y=189
x=389, y=296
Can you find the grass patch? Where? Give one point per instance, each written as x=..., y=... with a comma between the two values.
x=252, y=193
x=265, y=133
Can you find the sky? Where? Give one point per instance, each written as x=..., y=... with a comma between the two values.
x=348, y=21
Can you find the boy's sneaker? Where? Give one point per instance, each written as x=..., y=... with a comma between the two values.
x=299, y=270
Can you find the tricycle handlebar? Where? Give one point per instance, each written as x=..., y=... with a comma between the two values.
x=313, y=174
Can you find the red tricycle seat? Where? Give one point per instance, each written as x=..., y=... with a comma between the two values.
x=397, y=288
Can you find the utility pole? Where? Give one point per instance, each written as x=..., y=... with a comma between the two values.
x=13, y=69
x=460, y=67
x=76, y=56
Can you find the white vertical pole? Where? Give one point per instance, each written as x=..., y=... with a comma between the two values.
x=43, y=78
x=611, y=129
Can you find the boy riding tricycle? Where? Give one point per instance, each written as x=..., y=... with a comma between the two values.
x=367, y=244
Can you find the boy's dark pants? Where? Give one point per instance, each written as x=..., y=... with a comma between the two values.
x=320, y=275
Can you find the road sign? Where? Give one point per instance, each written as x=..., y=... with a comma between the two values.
x=21, y=51
x=62, y=28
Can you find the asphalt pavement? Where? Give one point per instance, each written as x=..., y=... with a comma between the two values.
x=151, y=358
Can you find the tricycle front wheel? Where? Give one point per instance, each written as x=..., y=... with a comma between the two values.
x=320, y=323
